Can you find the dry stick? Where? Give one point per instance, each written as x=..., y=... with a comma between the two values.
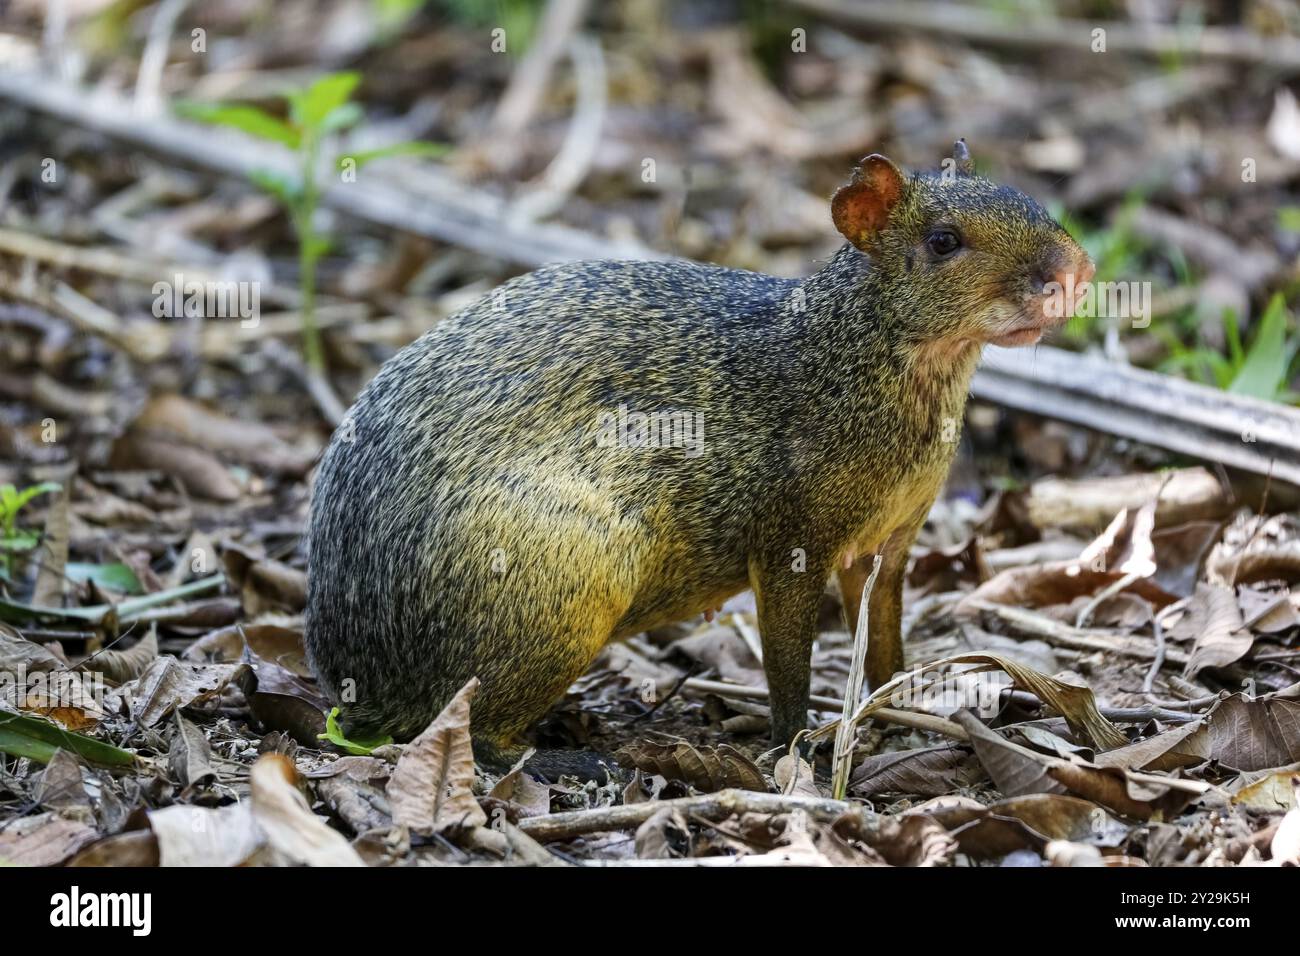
x=529, y=81
x=902, y=718
x=846, y=734
x=569, y=168
x=1063, y=635
x=1149, y=683
x=413, y=197
x=710, y=806
x=972, y=23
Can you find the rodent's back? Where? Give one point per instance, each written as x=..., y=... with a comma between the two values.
x=489, y=422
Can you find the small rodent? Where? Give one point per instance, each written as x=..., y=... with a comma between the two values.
x=487, y=509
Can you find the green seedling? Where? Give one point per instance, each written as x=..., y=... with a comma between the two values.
x=314, y=114
x=358, y=748
x=12, y=538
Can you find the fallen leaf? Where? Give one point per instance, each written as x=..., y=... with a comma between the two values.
x=284, y=817
x=703, y=767
x=431, y=787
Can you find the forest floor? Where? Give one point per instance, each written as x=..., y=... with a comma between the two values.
x=1102, y=636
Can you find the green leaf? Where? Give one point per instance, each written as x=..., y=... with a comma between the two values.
x=114, y=575
x=397, y=149
x=358, y=748
x=349, y=114
x=12, y=500
x=1264, y=372
x=1288, y=218
x=287, y=189
x=247, y=119
x=20, y=541
x=310, y=107
x=25, y=736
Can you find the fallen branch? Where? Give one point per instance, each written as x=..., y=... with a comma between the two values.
x=412, y=197
x=1147, y=407
x=1014, y=29
x=709, y=806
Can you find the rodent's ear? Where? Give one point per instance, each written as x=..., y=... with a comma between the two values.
x=861, y=209
x=961, y=156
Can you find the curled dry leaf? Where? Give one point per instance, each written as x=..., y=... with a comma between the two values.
x=705, y=768
x=206, y=836
x=168, y=684
x=1018, y=770
x=263, y=583
x=1213, y=619
x=119, y=667
x=794, y=776
x=1056, y=582
x=281, y=812
x=1019, y=823
x=1238, y=732
x=664, y=836
x=529, y=797
x=1255, y=548
x=431, y=787
x=902, y=840
x=189, y=755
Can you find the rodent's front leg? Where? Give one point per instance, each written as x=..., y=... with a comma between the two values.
x=787, y=597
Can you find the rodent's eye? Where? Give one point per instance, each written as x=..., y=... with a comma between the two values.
x=942, y=243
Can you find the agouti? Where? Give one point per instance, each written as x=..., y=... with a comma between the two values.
x=600, y=448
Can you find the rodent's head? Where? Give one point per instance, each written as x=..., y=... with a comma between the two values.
x=974, y=260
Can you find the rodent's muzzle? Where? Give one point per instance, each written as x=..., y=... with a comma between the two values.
x=1057, y=290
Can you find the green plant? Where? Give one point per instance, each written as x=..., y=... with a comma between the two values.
x=334, y=734
x=11, y=502
x=1261, y=369
x=314, y=114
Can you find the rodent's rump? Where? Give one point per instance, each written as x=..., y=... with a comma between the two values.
x=598, y=448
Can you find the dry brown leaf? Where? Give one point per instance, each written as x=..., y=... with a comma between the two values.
x=1017, y=823
x=664, y=836
x=281, y=812
x=122, y=666
x=1213, y=621
x=1057, y=582
x=1023, y=771
x=168, y=684
x=43, y=839
x=431, y=787
x=794, y=775
x=1238, y=732
x=703, y=767
x=189, y=754
x=1255, y=548
x=133, y=848
x=928, y=772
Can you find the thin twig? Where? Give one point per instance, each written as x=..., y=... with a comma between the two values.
x=846, y=735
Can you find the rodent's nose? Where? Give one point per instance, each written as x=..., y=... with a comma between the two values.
x=1075, y=274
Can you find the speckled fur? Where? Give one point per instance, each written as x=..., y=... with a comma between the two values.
x=823, y=405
